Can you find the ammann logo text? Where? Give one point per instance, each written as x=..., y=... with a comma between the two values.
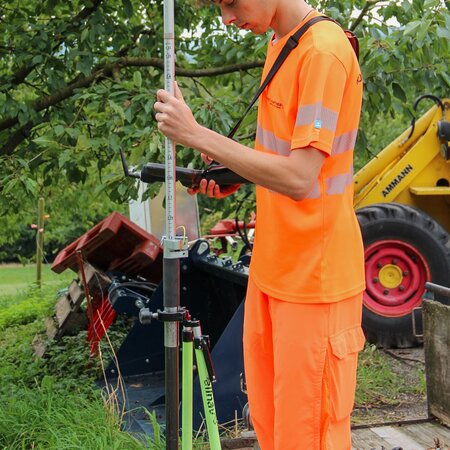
x=386, y=191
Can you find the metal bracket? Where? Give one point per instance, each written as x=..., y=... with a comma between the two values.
x=175, y=248
x=202, y=343
x=416, y=313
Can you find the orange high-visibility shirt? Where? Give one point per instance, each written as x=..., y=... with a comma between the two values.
x=311, y=250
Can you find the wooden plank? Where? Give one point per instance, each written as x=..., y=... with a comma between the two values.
x=421, y=433
x=366, y=439
x=442, y=431
x=95, y=279
x=51, y=329
x=39, y=346
x=396, y=438
x=439, y=412
x=436, y=330
x=410, y=437
x=426, y=434
x=76, y=294
x=63, y=309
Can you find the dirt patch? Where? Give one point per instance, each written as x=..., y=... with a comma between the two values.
x=410, y=402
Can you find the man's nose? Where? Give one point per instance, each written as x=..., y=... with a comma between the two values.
x=227, y=17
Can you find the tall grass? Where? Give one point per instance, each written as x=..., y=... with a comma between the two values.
x=48, y=417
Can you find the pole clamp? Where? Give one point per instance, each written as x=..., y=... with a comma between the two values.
x=175, y=248
x=176, y=316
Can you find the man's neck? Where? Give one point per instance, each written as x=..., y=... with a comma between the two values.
x=289, y=14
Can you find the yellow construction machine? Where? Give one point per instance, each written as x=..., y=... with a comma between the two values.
x=402, y=200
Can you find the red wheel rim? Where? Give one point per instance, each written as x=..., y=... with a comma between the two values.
x=395, y=276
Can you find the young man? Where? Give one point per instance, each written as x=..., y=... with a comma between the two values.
x=302, y=320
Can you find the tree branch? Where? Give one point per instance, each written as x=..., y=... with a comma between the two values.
x=369, y=4
x=87, y=11
x=107, y=71
x=16, y=138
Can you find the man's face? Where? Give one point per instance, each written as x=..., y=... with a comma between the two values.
x=254, y=15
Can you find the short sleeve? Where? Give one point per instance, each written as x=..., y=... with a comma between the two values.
x=322, y=80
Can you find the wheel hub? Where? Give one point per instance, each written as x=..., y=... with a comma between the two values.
x=395, y=276
x=391, y=276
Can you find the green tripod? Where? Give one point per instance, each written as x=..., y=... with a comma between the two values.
x=193, y=339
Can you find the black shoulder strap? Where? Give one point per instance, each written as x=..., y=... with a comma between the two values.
x=291, y=43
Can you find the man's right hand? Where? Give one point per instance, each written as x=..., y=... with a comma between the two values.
x=213, y=190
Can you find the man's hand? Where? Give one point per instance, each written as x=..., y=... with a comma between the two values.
x=213, y=190
x=175, y=119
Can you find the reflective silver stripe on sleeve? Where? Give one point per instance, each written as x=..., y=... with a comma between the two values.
x=344, y=142
x=316, y=113
x=338, y=183
x=272, y=143
x=335, y=185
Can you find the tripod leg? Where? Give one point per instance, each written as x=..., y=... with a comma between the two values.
x=187, y=389
x=207, y=394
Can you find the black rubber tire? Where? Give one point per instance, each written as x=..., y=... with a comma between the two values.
x=410, y=225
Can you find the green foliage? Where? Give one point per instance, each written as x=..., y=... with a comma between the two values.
x=72, y=211
x=78, y=81
x=35, y=303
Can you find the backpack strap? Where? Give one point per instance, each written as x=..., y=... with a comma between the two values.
x=291, y=43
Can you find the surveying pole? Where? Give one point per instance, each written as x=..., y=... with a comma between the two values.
x=173, y=251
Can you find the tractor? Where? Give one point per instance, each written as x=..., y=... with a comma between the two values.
x=402, y=201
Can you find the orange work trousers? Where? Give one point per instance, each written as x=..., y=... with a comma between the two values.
x=300, y=367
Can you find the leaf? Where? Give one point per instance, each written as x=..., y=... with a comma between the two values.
x=83, y=141
x=129, y=115
x=10, y=185
x=423, y=29
x=45, y=141
x=73, y=132
x=128, y=7
x=443, y=33
x=59, y=130
x=137, y=79
x=30, y=185
x=446, y=78
x=411, y=27
x=37, y=59
x=399, y=92
x=428, y=4
x=117, y=109
x=64, y=157
x=84, y=34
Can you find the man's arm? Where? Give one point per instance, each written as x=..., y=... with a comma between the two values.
x=291, y=175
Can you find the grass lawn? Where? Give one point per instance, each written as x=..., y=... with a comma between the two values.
x=15, y=278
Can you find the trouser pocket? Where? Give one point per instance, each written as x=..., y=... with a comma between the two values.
x=343, y=360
